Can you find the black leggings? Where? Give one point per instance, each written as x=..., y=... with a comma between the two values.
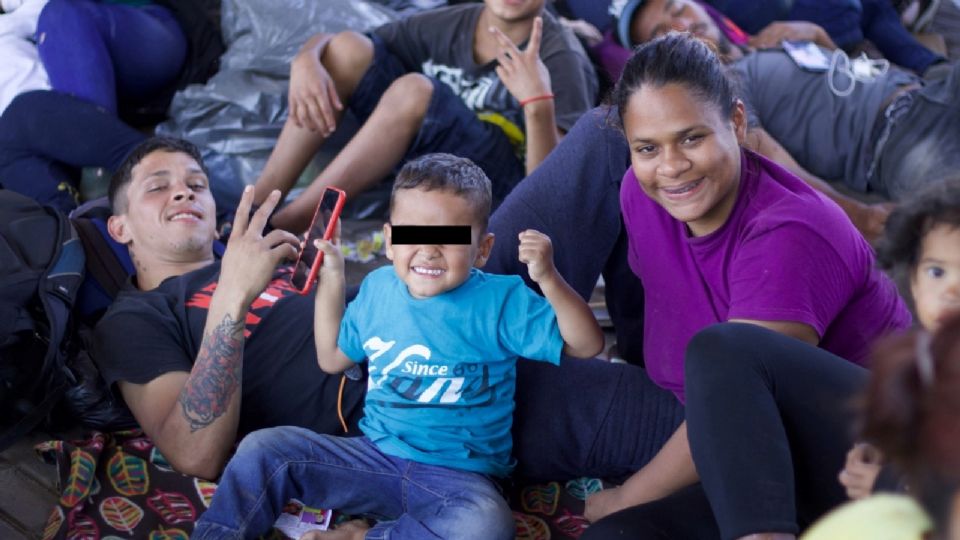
x=685, y=515
x=769, y=422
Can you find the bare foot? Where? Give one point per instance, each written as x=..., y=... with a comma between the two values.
x=351, y=530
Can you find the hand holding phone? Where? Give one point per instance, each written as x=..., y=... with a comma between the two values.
x=323, y=226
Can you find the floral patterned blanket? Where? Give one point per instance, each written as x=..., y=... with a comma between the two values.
x=117, y=485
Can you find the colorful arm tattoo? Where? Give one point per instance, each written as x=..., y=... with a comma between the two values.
x=216, y=375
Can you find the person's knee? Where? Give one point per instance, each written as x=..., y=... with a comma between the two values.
x=347, y=57
x=713, y=352
x=269, y=440
x=480, y=516
x=59, y=14
x=408, y=98
x=501, y=524
x=22, y=114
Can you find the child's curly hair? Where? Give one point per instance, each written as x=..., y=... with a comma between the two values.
x=939, y=204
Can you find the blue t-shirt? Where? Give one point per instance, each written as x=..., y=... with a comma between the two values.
x=443, y=369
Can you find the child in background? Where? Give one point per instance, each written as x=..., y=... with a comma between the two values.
x=442, y=339
x=913, y=417
x=921, y=247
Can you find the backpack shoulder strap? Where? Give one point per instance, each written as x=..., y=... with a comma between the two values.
x=103, y=264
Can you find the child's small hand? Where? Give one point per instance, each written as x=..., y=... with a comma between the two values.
x=522, y=72
x=861, y=470
x=536, y=251
x=332, y=264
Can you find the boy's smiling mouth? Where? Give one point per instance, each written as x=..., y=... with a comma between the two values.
x=427, y=271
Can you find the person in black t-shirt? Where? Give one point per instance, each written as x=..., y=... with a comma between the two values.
x=498, y=83
x=201, y=334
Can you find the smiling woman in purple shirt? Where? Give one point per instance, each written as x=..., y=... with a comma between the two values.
x=761, y=300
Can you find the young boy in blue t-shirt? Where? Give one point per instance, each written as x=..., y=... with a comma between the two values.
x=442, y=339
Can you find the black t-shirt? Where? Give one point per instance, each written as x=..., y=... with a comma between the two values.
x=145, y=334
x=439, y=43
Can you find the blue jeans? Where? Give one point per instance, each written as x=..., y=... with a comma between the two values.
x=411, y=500
x=101, y=52
x=449, y=125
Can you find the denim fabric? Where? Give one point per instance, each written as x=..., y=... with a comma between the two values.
x=101, y=52
x=449, y=125
x=411, y=500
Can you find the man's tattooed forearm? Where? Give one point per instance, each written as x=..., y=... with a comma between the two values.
x=216, y=375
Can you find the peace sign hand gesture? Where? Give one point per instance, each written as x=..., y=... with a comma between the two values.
x=251, y=256
x=522, y=72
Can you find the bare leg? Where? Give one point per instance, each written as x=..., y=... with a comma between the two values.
x=347, y=57
x=372, y=153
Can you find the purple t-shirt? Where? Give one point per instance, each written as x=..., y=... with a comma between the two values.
x=786, y=253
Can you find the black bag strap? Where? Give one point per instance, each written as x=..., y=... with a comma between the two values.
x=102, y=263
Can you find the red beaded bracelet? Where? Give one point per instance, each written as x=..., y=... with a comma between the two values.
x=528, y=101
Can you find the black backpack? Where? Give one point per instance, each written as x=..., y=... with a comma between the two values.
x=41, y=269
x=46, y=376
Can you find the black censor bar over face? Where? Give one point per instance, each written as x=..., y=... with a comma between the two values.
x=430, y=234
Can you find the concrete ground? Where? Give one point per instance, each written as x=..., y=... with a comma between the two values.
x=27, y=490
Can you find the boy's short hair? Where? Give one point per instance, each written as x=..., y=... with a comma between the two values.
x=938, y=204
x=446, y=172
x=124, y=174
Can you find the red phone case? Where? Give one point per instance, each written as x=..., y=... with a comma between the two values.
x=341, y=198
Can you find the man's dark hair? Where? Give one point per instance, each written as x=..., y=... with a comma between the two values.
x=938, y=204
x=676, y=58
x=124, y=174
x=446, y=172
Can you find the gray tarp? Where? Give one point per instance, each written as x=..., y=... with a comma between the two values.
x=236, y=117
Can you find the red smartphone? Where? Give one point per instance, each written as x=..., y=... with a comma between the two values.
x=323, y=225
